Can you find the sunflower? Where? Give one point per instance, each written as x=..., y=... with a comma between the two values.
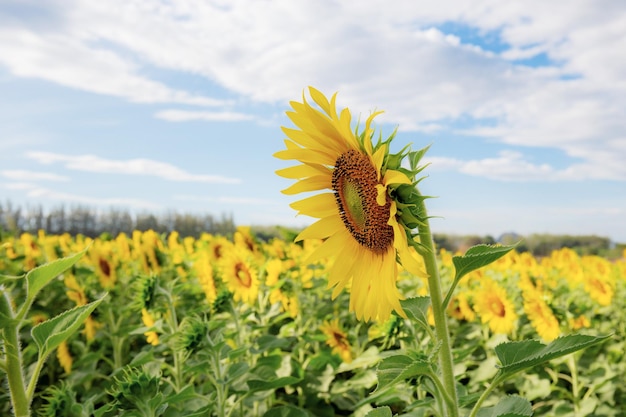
x=362, y=219
x=65, y=357
x=541, y=316
x=152, y=337
x=239, y=275
x=337, y=339
x=494, y=307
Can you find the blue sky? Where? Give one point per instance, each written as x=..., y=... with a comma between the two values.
x=177, y=105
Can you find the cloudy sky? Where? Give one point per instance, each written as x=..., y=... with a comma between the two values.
x=161, y=105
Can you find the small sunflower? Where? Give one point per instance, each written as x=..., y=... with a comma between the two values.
x=337, y=339
x=65, y=357
x=152, y=337
x=240, y=276
x=494, y=307
x=365, y=218
x=541, y=316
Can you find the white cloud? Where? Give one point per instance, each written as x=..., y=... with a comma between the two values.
x=24, y=175
x=512, y=166
x=393, y=57
x=19, y=186
x=41, y=193
x=72, y=62
x=139, y=166
x=93, y=201
x=187, y=115
x=226, y=200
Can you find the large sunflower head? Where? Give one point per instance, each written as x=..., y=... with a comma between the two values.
x=365, y=202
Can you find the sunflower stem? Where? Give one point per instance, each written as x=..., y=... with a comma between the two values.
x=441, y=324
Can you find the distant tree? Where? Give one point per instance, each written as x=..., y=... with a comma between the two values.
x=147, y=221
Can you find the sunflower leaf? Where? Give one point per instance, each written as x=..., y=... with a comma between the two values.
x=513, y=405
x=286, y=411
x=478, y=256
x=39, y=277
x=516, y=356
x=416, y=309
x=379, y=412
x=263, y=385
x=398, y=368
x=49, y=334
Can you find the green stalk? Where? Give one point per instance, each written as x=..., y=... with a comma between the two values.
x=496, y=381
x=174, y=325
x=441, y=324
x=21, y=404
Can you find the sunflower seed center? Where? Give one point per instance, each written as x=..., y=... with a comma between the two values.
x=354, y=182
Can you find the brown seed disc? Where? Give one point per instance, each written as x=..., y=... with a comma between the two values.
x=354, y=182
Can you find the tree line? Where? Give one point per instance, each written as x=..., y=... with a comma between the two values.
x=91, y=222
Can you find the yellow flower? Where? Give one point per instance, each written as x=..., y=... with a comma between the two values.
x=460, y=309
x=151, y=336
x=599, y=290
x=494, y=307
x=541, y=316
x=337, y=339
x=204, y=271
x=65, y=357
x=105, y=263
x=273, y=268
x=577, y=323
x=359, y=218
x=239, y=275
x=599, y=281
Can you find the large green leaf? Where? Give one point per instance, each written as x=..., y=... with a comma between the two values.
x=286, y=411
x=262, y=385
x=513, y=405
x=416, y=309
x=49, y=334
x=478, y=256
x=515, y=356
x=39, y=277
x=398, y=368
x=380, y=412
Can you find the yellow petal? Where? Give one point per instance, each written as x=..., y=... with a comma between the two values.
x=318, y=182
x=378, y=158
x=331, y=247
x=381, y=196
x=319, y=205
x=322, y=228
x=395, y=177
x=320, y=99
x=307, y=156
x=303, y=171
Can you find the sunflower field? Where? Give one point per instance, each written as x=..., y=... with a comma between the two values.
x=159, y=325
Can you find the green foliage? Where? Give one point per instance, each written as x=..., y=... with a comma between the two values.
x=39, y=277
x=49, y=334
x=398, y=368
x=477, y=257
x=221, y=356
x=516, y=356
x=510, y=406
